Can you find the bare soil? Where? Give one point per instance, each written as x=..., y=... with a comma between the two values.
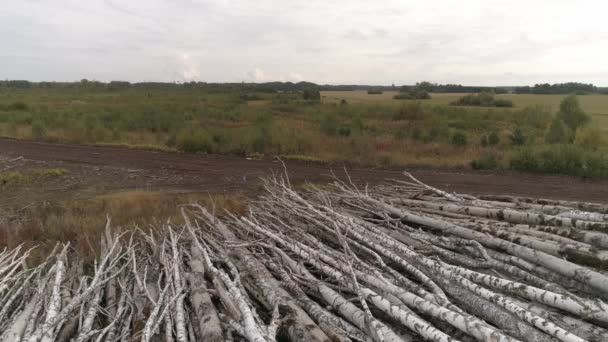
x=101, y=169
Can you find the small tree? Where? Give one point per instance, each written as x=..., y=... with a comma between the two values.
x=557, y=133
x=571, y=114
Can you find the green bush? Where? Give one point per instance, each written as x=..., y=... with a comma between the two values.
x=486, y=162
x=525, y=160
x=558, y=133
x=344, y=131
x=329, y=124
x=414, y=94
x=18, y=106
x=404, y=96
x=503, y=103
x=484, y=99
x=493, y=138
x=571, y=114
x=561, y=159
x=250, y=97
x=194, y=142
x=590, y=139
x=263, y=140
x=517, y=137
x=410, y=111
x=459, y=139
x=311, y=94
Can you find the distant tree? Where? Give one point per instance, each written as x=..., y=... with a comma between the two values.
x=311, y=94
x=557, y=133
x=571, y=113
x=425, y=86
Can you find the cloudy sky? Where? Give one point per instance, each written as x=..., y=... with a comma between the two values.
x=485, y=42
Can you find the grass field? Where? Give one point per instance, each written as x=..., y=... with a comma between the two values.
x=373, y=130
x=596, y=105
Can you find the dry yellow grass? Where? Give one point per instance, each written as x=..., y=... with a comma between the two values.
x=81, y=222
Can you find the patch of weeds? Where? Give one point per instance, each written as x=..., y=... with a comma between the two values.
x=56, y=172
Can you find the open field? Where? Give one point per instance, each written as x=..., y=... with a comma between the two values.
x=368, y=130
x=596, y=104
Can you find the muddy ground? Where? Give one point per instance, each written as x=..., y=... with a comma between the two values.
x=95, y=169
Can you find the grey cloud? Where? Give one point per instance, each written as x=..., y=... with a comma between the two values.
x=342, y=41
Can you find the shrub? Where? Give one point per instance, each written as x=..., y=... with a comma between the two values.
x=12, y=177
x=18, y=105
x=459, y=139
x=590, y=138
x=525, y=160
x=503, y=103
x=565, y=159
x=358, y=124
x=38, y=130
x=561, y=159
x=410, y=111
x=517, y=137
x=262, y=140
x=486, y=162
x=311, y=94
x=374, y=92
x=558, y=133
x=250, y=97
x=422, y=95
x=50, y=172
x=404, y=96
x=484, y=99
x=344, y=131
x=571, y=113
x=329, y=124
x=493, y=138
x=413, y=94
x=538, y=117
x=194, y=142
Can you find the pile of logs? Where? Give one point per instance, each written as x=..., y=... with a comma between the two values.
x=398, y=262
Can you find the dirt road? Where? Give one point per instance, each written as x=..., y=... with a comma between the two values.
x=119, y=168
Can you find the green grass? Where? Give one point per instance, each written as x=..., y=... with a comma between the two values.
x=366, y=129
x=12, y=177
x=596, y=105
x=56, y=172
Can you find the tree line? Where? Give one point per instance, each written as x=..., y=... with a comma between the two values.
x=277, y=87
x=560, y=88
